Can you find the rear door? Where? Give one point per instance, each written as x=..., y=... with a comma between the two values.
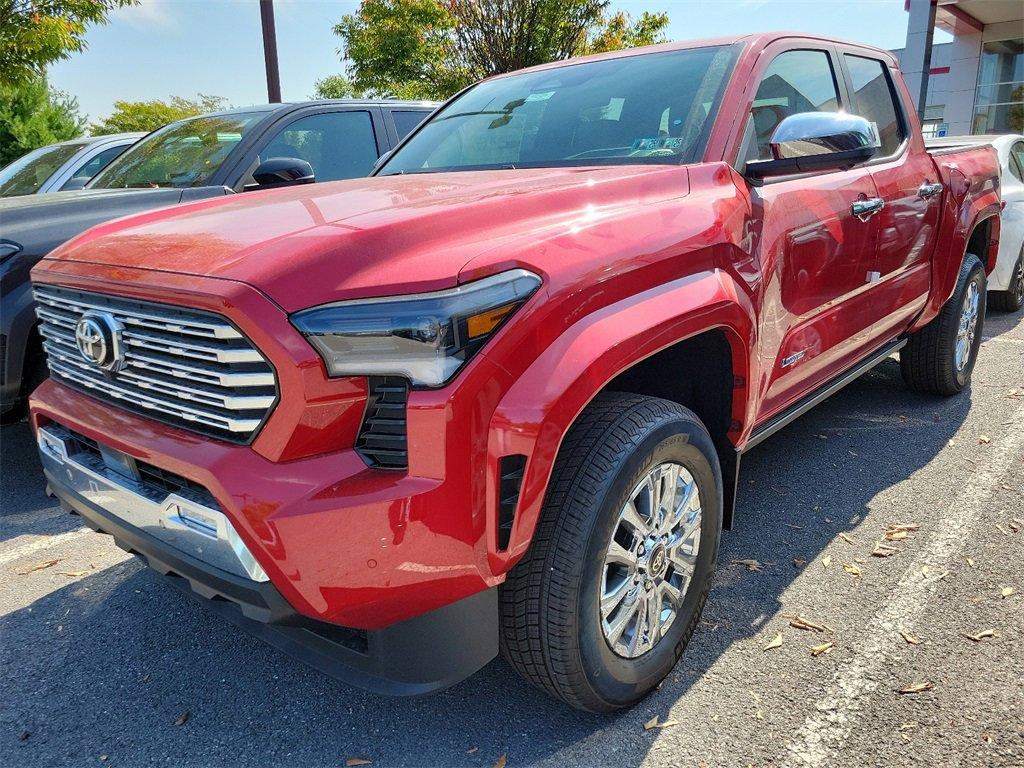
x=815, y=253
x=907, y=182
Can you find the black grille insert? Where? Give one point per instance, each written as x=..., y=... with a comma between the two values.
x=510, y=472
x=383, y=438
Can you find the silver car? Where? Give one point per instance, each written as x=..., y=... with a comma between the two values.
x=64, y=166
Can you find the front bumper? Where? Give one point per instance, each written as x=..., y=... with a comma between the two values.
x=187, y=539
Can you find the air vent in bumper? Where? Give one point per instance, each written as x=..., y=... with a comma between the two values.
x=382, y=438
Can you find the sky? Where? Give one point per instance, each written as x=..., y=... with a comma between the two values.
x=165, y=48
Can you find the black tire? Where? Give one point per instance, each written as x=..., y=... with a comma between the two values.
x=34, y=373
x=551, y=624
x=1012, y=299
x=928, y=361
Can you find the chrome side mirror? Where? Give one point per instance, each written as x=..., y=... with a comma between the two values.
x=817, y=141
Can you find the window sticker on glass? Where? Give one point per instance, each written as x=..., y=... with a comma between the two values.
x=540, y=96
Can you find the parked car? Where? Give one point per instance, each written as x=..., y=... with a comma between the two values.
x=65, y=166
x=1006, y=283
x=496, y=396
x=201, y=157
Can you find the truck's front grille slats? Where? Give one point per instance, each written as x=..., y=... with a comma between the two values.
x=186, y=367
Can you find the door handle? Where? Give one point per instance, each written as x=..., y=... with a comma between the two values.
x=927, y=190
x=865, y=209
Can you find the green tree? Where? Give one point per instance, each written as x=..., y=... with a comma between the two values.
x=336, y=87
x=35, y=33
x=432, y=48
x=150, y=115
x=33, y=115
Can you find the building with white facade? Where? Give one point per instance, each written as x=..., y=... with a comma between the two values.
x=974, y=84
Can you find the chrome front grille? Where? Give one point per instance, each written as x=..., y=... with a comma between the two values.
x=182, y=366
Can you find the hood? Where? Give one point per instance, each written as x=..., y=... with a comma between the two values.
x=40, y=223
x=369, y=237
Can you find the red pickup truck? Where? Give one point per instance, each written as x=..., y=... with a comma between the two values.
x=495, y=397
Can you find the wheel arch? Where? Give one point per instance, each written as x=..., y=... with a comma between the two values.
x=622, y=345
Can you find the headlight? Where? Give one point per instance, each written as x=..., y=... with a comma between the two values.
x=426, y=337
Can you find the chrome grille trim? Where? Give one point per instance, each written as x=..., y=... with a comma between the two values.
x=186, y=367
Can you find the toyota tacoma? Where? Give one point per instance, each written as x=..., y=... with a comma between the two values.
x=494, y=398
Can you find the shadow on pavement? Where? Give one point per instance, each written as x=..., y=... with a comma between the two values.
x=104, y=666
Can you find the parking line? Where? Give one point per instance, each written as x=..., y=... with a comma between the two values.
x=819, y=740
x=39, y=544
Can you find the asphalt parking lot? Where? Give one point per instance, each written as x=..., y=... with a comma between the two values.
x=101, y=660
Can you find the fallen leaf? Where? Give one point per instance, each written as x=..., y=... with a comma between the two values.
x=912, y=639
x=775, y=643
x=799, y=622
x=651, y=724
x=982, y=635
x=984, y=440
x=752, y=565
x=881, y=550
x=970, y=562
x=182, y=718
x=941, y=576
x=817, y=650
x=356, y=761
x=759, y=715
x=895, y=535
x=668, y=723
x=846, y=538
x=916, y=688
x=794, y=525
x=826, y=561
x=74, y=574
x=501, y=761
x=852, y=569
x=1007, y=591
x=908, y=726
x=38, y=567
x=471, y=750
x=798, y=563
x=1002, y=530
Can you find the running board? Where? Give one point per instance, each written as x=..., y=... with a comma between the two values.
x=801, y=407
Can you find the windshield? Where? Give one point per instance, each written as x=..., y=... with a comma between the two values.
x=27, y=174
x=184, y=154
x=650, y=108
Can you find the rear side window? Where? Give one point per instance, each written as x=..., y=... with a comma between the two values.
x=874, y=99
x=95, y=165
x=795, y=82
x=406, y=121
x=339, y=145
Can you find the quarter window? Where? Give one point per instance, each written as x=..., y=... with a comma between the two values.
x=339, y=145
x=795, y=82
x=874, y=100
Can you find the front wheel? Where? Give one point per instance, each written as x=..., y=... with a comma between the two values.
x=940, y=357
x=600, y=609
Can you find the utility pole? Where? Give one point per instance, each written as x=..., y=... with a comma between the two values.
x=270, y=51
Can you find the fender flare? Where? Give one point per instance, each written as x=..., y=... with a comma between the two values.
x=540, y=407
x=960, y=226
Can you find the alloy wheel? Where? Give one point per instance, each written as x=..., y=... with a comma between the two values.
x=968, y=326
x=650, y=560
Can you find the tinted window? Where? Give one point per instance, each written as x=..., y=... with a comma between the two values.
x=873, y=99
x=27, y=174
x=184, y=154
x=1017, y=160
x=95, y=165
x=795, y=82
x=651, y=108
x=339, y=145
x=406, y=121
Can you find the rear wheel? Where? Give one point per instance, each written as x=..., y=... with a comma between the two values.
x=940, y=357
x=1012, y=299
x=601, y=607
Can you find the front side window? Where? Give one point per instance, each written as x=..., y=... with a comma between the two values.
x=339, y=145
x=795, y=82
x=27, y=174
x=184, y=154
x=648, y=108
x=875, y=100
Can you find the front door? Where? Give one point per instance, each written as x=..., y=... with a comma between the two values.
x=815, y=251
